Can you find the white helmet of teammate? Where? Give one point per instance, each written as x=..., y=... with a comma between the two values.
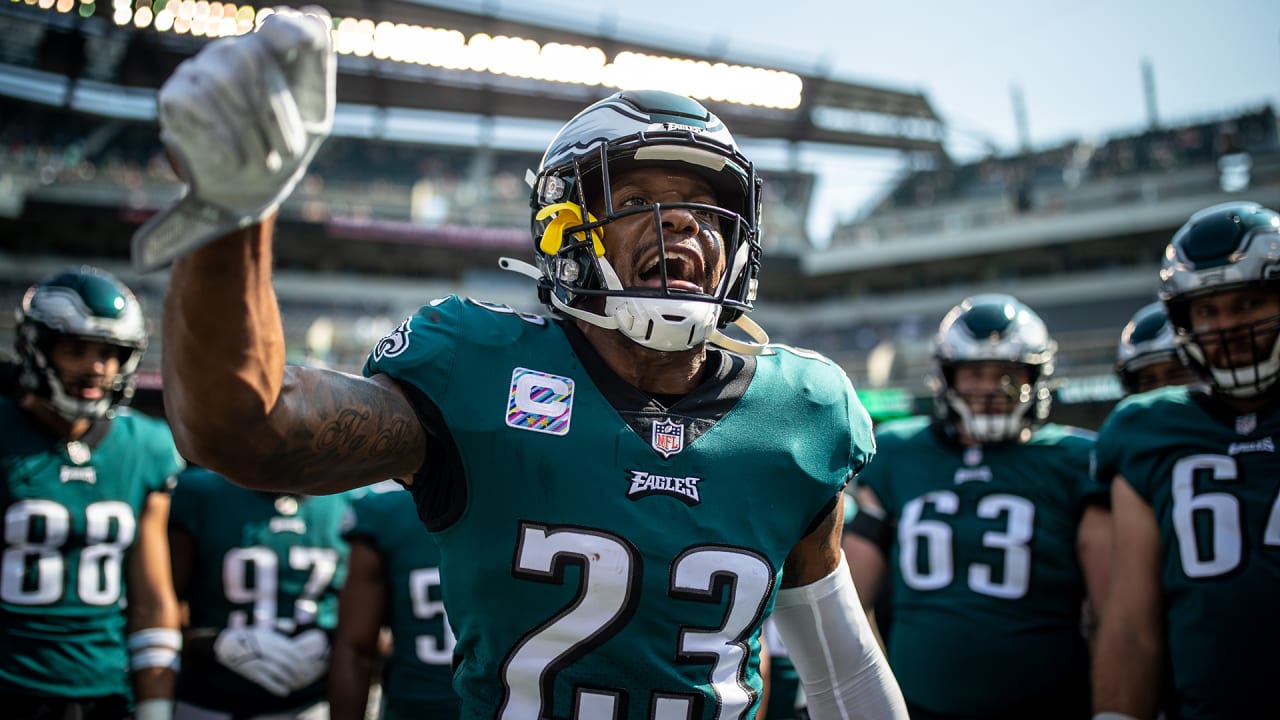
x=1221, y=249
x=994, y=328
x=88, y=303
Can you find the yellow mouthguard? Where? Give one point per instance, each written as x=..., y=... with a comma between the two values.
x=566, y=214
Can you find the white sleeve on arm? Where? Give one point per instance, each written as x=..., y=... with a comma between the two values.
x=844, y=674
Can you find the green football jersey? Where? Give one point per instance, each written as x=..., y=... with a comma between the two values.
x=417, y=678
x=260, y=560
x=70, y=516
x=1212, y=479
x=605, y=555
x=987, y=587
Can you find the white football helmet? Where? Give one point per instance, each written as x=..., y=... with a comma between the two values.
x=85, y=302
x=994, y=328
x=1220, y=249
x=1146, y=340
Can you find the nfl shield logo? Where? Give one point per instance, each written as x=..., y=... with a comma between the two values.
x=1246, y=424
x=972, y=456
x=668, y=437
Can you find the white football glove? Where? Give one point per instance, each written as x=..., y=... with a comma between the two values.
x=265, y=657
x=242, y=119
x=313, y=646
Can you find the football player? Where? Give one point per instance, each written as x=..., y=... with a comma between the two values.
x=1195, y=480
x=393, y=580
x=258, y=574
x=585, y=474
x=88, y=619
x=986, y=521
x=1148, y=356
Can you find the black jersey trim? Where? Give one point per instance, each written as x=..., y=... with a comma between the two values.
x=440, y=486
x=822, y=515
x=728, y=376
x=98, y=431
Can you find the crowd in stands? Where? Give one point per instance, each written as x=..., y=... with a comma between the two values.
x=351, y=177
x=1020, y=180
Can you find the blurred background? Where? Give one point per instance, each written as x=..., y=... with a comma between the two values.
x=913, y=155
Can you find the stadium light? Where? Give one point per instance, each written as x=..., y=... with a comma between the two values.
x=449, y=49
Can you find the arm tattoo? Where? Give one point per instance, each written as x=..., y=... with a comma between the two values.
x=355, y=431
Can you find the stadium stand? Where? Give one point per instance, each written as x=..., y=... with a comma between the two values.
x=387, y=220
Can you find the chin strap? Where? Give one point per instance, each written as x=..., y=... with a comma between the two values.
x=519, y=266
x=523, y=268
x=752, y=329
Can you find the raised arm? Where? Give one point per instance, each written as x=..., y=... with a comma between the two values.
x=241, y=121
x=235, y=407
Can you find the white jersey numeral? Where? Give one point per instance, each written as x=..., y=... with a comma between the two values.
x=936, y=568
x=430, y=649
x=609, y=586
x=34, y=568
x=1220, y=549
x=250, y=576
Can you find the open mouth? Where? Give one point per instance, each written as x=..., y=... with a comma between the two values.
x=89, y=393
x=84, y=390
x=684, y=272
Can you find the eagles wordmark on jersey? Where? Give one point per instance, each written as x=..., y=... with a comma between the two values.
x=986, y=565
x=70, y=516
x=573, y=596
x=1212, y=478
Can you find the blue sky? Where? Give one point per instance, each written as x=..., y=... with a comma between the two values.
x=1077, y=63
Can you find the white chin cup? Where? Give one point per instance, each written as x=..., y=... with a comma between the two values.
x=988, y=428
x=70, y=408
x=666, y=324
x=1243, y=382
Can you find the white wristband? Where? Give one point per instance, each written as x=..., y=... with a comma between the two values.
x=155, y=637
x=155, y=709
x=155, y=657
x=156, y=647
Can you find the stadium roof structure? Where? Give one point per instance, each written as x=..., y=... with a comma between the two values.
x=829, y=110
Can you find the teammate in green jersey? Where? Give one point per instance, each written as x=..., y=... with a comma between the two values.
x=1195, y=480
x=620, y=491
x=88, y=618
x=1148, y=357
x=988, y=523
x=259, y=575
x=393, y=580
